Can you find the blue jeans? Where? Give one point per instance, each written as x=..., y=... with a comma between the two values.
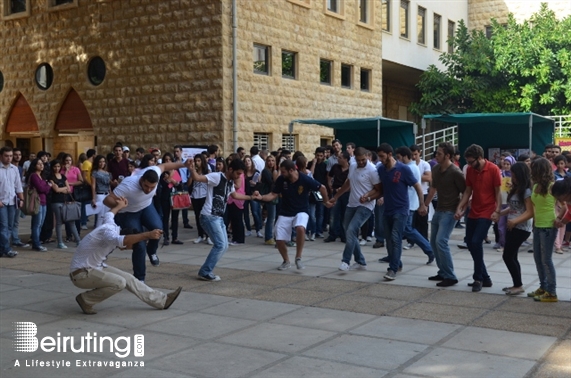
x=149, y=219
x=412, y=235
x=256, y=209
x=476, y=232
x=270, y=220
x=214, y=227
x=394, y=229
x=543, y=241
x=379, y=229
x=6, y=226
x=443, y=223
x=37, y=222
x=311, y=223
x=15, y=226
x=337, y=216
x=355, y=217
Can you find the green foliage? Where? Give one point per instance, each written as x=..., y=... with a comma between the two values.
x=523, y=67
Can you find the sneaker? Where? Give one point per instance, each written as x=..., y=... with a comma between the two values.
x=379, y=245
x=188, y=226
x=41, y=248
x=209, y=241
x=536, y=293
x=306, y=237
x=329, y=239
x=210, y=277
x=21, y=245
x=291, y=244
x=299, y=264
x=166, y=242
x=462, y=245
x=384, y=259
x=177, y=242
x=10, y=253
x=319, y=236
x=87, y=309
x=171, y=297
x=500, y=250
x=565, y=244
x=270, y=242
x=546, y=297
x=248, y=233
x=154, y=259
x=363, y=242
x=62, y=246
x=234, y=243
x=407, y=246
x=497, y=245
x=458, y=225
x=369, y=239
x=198, y=240
x=344, y=266
x=390, y=276
x=259, y=234
x=285, y=265
x=357, y=266
x=84, y=227
x=312, y=237
x=430, y=259
x=559, y=250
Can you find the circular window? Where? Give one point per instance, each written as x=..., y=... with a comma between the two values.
x=1, y=81
x=96, y=71
x=44, y=76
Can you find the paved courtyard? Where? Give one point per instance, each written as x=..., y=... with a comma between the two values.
x=316, y=322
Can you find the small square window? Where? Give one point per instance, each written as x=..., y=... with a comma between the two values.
x=386, y=15
x=325, y=71
x=289, y=142
x=289, y=64
x=334, y=6
x=346, y=76
x=403, y=15
x=364, y=16
x=451, y=28
x=262, y=141
x=365, y=79
x=421, y=25
x=261, y=59
x=16, y=9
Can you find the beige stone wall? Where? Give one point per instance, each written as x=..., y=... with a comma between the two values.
x=480, y=12
x=268, y=103
x=397, y=94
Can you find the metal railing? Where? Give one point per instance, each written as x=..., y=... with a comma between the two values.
x=429, y=141
x=562, y=126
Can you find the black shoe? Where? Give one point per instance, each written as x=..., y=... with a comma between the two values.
x=166, y=242
x=436, y=278
x=343, y=240
x=329, y=239
x=476, y=286
x=447, y=282
x=188, y=226
x=458, y=225
x=430, y=259
x=530, y=250
x=378, y=245
x=384, y=259
x=178, y=242
x=171, y=297
x=487, y=283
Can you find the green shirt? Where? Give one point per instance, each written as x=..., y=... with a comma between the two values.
x=544, y=209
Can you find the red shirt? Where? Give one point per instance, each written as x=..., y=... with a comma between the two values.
x=483, y=184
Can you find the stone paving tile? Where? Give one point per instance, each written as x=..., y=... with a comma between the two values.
x=467, y=299
x=12, y=314
x=356, y=276
x=26, y=296
x=528, y=323
x=299, y=366
x=200, y=326
x=365, y=351
x=439, y=313
x=415, y=331
x=362, y=304
x=148, y=372
x=190, y=301
x=502, y=343
x=321, y=318
x=558, y=361
x=278, y=337
x=7, y=287
x=275, y=280
x=251, y=309
x=396, y=292
x=218, y=360
x=329, y=285
x=528, y=305
x=447, y=363
x=232, y=289
x=294, y=296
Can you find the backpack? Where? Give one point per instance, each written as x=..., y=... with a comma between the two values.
x=31, y=201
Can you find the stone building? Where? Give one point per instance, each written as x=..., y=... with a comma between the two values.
x=79, y=73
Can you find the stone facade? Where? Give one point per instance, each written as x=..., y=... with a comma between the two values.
x=169, y=69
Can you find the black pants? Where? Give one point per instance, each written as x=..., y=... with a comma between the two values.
x=420, y=222
x=197, y=205
x=236, y=217
x=514, y=238
x=166, y=213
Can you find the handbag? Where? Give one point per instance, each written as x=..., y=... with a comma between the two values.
x=31, y=201
x=83, y=193
x=180, y=200
x=71, y=211
x=316, y=196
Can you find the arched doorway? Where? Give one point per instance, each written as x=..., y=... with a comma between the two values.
x=22, y=127
x=74, y=127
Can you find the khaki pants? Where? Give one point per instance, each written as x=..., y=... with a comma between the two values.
x=109, y=281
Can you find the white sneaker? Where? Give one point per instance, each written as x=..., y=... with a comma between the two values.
x=407, y=246
x=198, y=240
x=344, y=266
x=357, y=266
x=285, y=265
x=259, y=234
x=84, y=227
x=209, y=241
x=369, y=238
x=312, y=237
x=299, y=264
x=363, y=242
x=306, y=237
x=248, y=233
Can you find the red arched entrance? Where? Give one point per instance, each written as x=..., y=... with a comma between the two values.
x=73, y=115
x=22, y=118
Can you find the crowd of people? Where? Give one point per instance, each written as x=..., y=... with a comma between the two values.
x=286, y=199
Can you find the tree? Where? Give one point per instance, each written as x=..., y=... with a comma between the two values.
x=523, y=67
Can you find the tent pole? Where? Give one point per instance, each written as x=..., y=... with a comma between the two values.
x=378, y=132
x=530, y=131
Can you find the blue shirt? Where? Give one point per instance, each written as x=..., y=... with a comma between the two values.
x=395, y=188
x=295, y=195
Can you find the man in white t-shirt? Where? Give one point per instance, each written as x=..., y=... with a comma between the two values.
x=420, y=222
x=88, y=269
x=220, y=186
x=139, y=191
x=362, y=179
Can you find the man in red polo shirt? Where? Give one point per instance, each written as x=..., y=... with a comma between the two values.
x=483, y=181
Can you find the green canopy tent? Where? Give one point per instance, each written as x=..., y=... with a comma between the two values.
x=367, y=132
x=503, y=130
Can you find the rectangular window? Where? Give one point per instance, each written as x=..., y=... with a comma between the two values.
x=262, y=141
x=437, y=20
x=289, y=142
x=365, y=79
x=364, y=11
x=17, y=6
x=289, y=64
x=403, y=15
x=386, y=15
x=325, y=71
x=333, y=6
x=60, y=2
x=489, y=32
x=261, y=59
x=421, y=25
x=451, y=27
x=346, y=76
